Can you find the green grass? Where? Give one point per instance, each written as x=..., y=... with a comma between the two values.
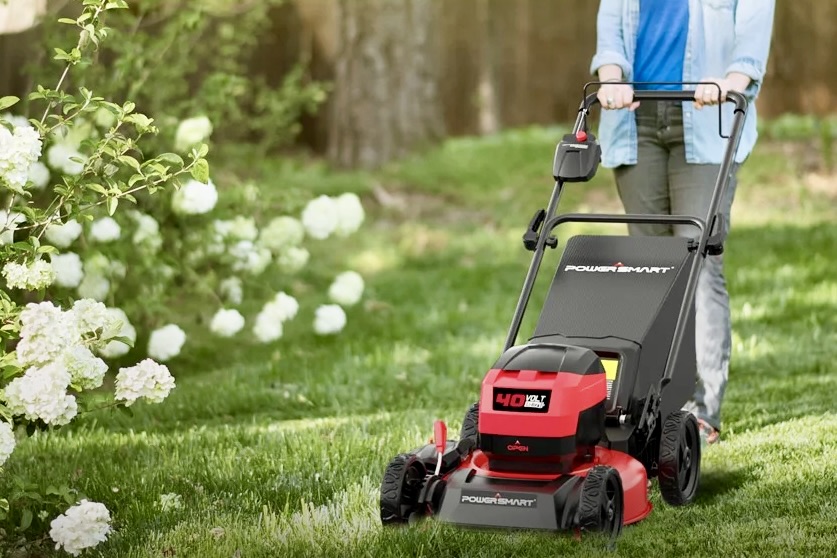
x=279, y=450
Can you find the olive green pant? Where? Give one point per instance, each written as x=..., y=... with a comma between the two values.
x=662, y=182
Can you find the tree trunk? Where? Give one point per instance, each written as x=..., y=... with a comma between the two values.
x=385, y=102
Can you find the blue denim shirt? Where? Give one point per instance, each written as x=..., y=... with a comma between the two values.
x=724, y=36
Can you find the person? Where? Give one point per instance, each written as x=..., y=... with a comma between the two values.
x=666, y=155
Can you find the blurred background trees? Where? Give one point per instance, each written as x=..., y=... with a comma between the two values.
x=365, y=81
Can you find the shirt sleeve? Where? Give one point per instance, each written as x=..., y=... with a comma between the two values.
x=610, y=40
x=753, y=33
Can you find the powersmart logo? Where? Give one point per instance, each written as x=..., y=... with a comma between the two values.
x=498, y=499
x=517, y=446
x=618, y=267
x=521, y=400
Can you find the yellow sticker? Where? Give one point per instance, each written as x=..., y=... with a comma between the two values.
x=611, y=365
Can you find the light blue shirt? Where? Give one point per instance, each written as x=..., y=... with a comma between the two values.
x=724, y=36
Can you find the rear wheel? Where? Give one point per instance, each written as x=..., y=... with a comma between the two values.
x=470, y=425
x=679, y=464
x=601, y=508
x=400, y=489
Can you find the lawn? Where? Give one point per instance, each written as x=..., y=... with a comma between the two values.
x=279, y=450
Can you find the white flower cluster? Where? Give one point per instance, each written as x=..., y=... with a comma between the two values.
x=347, y=288
x=329, y=319
x=29, y=276
x=41, y=394
x=147, y=233
x=62, y=235
x=146, y=379
x=104, y=230
x=226, y=323
x=19, y=149
x=269, y=322
x=232, y=290
x=115, y=349
x=341, y=215
x=195, y=198
x=166, y=342
x=191, y=132
x=66, y=158
x=68, y=269
x=84, y=525
x=7, y=441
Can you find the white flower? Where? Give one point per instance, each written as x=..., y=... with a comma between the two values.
x=148, y=231
x=116, y=349
x=147, y=379
x=29, y=276
x=195, y=198
x=284, y=306
x=351, y=214
x=105, y=229
x=7, y=441
x=282, y=233
x=91, y=316
x=62, y=235
x=104, y=118
x=191, y=132
x=231, y=290
x=293, y=259
x=59, y=158
x=18, y=150
x=239, y=228
x=165, y=343
x=329, y=319
x=68, y=269
x=41, y=393
x=170, y=501
x=226, y=323
x=39, y=175
x=15, y=120
x=44, y=333
x=268, y=327
x=84, y=525
x=248, y=257
x=86, y=370
x=94, y=286
x=346, y=289
x=8, y=225
x=320, y=217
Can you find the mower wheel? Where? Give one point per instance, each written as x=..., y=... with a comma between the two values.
x=601, y=506
x=679, y=463
x=400, y=489
x=470, y=425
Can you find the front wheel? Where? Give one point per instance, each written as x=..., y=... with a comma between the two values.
x=470, y=424
x=400, y=489
x=679, y=464
x=601, y=507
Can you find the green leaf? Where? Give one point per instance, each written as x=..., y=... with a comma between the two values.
x=200, y=171
x=112, y=203
x=25, y=519
x=6, y=102
x=172, y=158
x=130, y=161
x=67, y=20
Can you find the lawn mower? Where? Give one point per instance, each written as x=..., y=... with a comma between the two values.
x=570, y=426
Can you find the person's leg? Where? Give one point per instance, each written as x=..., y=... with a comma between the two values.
x=643, y=187
x=691, y=193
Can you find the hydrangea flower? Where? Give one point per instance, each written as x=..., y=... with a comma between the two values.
x=92, y=316
x=86, y=370
x=41, y=393
x=45, y=332
x=239, y=228
x=29, y=276
x=346, y=289
x=250, y=258
x=195, y=198
x=165, y=343
x=7, y=441
x=191, y=132
x=147, y=379
x=293, y=259
x=116, y=349
x=39, y=175
x=320, y=217
x=268, y=327
x=105, y=229
x=231, y=290
x=83, y=526
x=94, y=286
x=19, y=149
x=329, y=319
x=148, y=231
x=63, y=235
x=60, y=157
x=226, y=323
x=350, y=214
x=68, y=269
x=281, y=234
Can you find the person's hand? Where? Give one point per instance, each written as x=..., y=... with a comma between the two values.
x=617, y=95
x=707, y=93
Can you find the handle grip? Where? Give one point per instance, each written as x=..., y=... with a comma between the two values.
x=664, y=95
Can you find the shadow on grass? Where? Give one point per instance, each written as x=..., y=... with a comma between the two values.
x=716, y=483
